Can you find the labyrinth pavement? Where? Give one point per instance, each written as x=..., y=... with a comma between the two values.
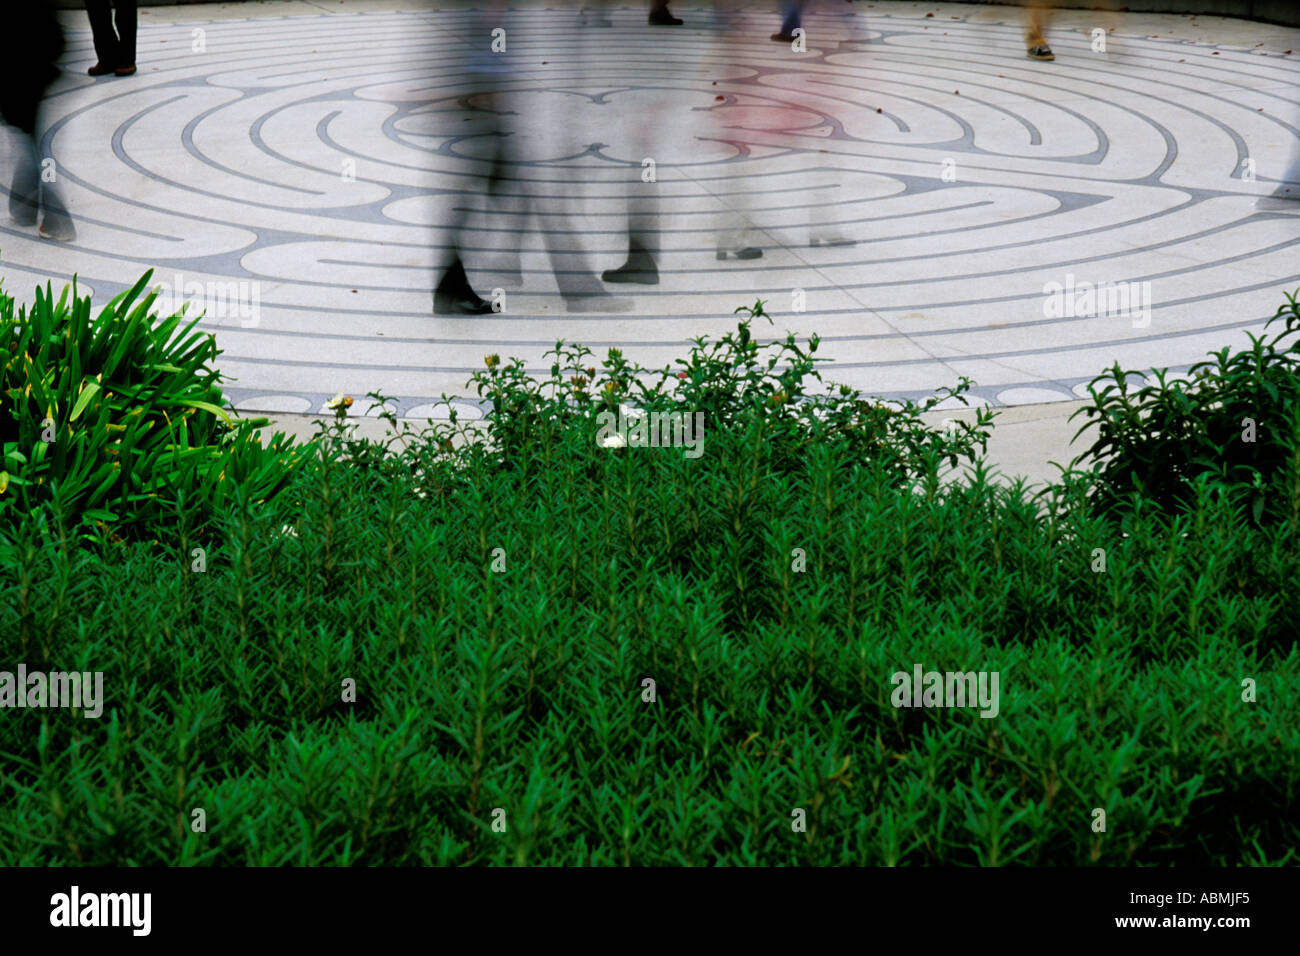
x=312, y=158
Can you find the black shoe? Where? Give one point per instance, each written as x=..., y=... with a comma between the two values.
x=749, y=252
x=455, y=296
x=783, y=38
x=639, y=268
x=462, y=303
x=99, y=69
x=662, y=18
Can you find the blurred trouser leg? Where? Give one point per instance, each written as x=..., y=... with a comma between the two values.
x=25, y=192
x=1289, y=187
x=732, y=220
x=642, y=245
x=28, y=196
x=26, y=71
x=1038, y=17
x=643, y=222
x=570, y=262
x=100, y=14
x=642, y=201
x=734, y=235
x=57, y=222
x=453, y=282
x=792, y=17
x=454, y=295
x=503, y=205
x=124, y=18
x=660, y=14
x=822, y=230
x=594, y=13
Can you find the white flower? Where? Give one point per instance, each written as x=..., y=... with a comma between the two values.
x=613, y=441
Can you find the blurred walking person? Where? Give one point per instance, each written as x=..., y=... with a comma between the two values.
x=27, y=68
x=733, y=221
x=475, y=60
x=509, y=129
x=651, y=134
x=113, y=25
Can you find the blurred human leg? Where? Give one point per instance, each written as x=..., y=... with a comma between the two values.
x=26, y=70
x=454, y=295
x=642, y=201
x=480, y=69
x=661, y=16
x=113, y=26
x=1038, y=16
x=100, y=14
x=57, y=222
x=791, y=20
x=124, y=19
x=25, y=191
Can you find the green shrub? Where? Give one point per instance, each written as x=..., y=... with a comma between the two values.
x=522, y=688
x=773, y=391
x=500, y=597
x=118, y=419
x=1234, y=422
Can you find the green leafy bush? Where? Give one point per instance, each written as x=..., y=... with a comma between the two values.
x=118, y=418
x=771, y=392
x=1234, y=422
x=501, y=593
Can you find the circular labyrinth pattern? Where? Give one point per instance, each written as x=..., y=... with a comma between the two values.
x=307, y=167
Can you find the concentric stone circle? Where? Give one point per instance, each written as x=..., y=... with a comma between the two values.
x=282, y=155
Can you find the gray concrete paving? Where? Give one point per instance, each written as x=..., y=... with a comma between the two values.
x=984, y=190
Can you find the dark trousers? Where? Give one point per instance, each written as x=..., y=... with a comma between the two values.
x=26, y=70
x=792, y=16
x=28, y=195
x=113, y=47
